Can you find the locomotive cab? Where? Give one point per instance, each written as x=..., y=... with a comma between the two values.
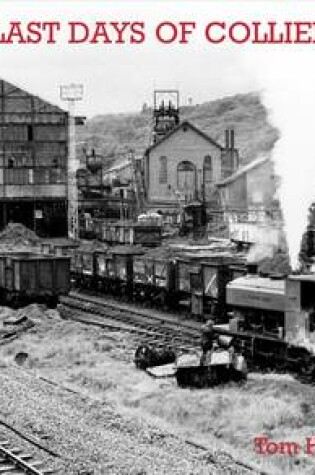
x=257, y=304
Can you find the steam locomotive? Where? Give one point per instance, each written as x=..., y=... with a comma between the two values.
x=275, y=318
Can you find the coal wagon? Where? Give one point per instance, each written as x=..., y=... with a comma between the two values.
x=201, y=283
x=27, y=277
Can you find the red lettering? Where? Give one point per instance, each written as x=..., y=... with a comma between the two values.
x=15, y=32
x=166, y=32
x=289, y=448
x=120, y=29
x=243, y=28
x=137, y=29
x=100, y=33
x=34, y=35
x=260, y=444
x=52, y=27
x=208, y=33
x=75, y=27
x=187, y=27
x=302, y=28
x=310, y=445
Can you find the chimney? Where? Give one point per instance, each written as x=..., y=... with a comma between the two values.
x=227, y=139
x=232, y=139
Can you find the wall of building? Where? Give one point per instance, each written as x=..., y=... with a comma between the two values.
x=234, y=194
x=254, y=188
x=261, y=185
x=184, y=145
x=33, y=144
x=33, y=159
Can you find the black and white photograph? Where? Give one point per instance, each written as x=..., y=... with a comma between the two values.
x=157, y=237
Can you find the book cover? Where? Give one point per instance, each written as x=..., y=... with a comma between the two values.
x=197, y=117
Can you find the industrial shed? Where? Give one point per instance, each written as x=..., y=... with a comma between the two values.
x=33, y=162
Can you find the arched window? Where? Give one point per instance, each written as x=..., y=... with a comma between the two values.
x=186, y=176
x=207, y=169
x=163, y=170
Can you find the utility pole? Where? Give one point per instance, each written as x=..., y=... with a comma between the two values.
x=137, y=182
x=72, y=93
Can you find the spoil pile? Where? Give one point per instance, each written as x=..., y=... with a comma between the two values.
x=16, y=235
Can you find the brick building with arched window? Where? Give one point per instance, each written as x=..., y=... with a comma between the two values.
x=185, y=165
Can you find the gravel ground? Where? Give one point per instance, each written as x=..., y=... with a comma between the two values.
x=92, y=437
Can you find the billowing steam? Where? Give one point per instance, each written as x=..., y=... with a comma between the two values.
x=267, y=241
x=288, y=81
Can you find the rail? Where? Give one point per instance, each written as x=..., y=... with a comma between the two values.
x=152, y=329
x=12, y=459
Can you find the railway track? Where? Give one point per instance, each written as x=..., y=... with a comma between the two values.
x=149, y=328
x=14, y=460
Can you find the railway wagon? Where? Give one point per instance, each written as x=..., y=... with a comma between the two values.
x=195, y=284
x=83, y=265
x=28, y=277
x=201, y=283
x=187, y=280
x=127, y=232
x=145, y=234
x=154, y=280
x=114, y=270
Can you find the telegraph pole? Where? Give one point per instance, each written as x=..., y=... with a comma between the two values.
x=72, y=93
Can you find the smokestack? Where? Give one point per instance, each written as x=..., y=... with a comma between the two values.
x=232, y=139
x=227, y=139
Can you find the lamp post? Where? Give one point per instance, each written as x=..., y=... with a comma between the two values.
x=72, y=93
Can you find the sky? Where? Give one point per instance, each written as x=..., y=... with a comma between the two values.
x=120, y=78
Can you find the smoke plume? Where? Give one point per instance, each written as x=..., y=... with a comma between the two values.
x=288, y=81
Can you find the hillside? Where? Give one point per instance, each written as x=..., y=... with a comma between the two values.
x=113, y=134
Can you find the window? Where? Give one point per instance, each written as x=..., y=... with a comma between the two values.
x=11, y=162
x=163, y=170
x=186, y=176
x=207, y=169
x=30, y=135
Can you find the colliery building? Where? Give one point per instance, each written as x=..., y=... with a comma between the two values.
x=33, y=162
x=186, y=165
